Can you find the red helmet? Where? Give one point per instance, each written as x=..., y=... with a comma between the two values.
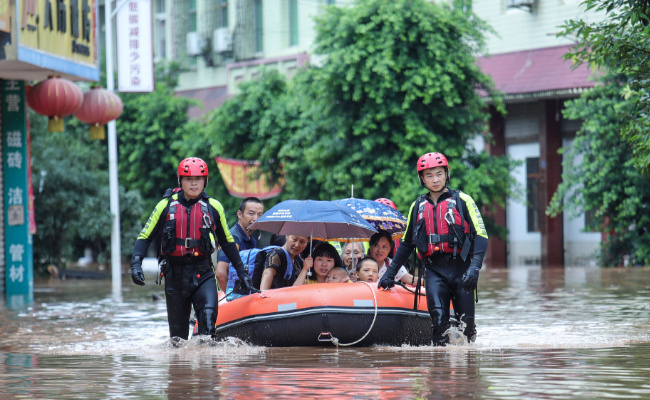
x=432, y=160
x=387, y=202
x=192, y=166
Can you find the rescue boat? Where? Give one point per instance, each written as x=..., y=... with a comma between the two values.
x=341, y=314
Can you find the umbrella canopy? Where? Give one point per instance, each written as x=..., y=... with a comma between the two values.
x=323, y=220
x=379, y=215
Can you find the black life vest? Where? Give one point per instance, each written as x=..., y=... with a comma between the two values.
x=187, y=230
x=441, y=228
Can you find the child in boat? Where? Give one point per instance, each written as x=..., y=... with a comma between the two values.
x=338, y=275
x=368, y=270
x=323, y=259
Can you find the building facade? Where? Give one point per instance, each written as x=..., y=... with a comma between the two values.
x=222, y=43
x=526, y=61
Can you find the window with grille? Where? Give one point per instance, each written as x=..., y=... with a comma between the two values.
x=223, y=13
x=259, y=27
x=293, y=22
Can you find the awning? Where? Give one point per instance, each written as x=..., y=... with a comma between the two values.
x=536, y=73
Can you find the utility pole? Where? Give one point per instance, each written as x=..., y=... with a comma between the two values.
x=116, y=248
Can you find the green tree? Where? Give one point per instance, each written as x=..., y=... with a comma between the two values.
x=71, y=190
x=621, y=42
x=599, y=176
x=147, y=131
x=397, y=79
x=233, y=130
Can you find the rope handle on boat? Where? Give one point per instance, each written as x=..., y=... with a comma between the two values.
x=409, y=290
x=229, y=293
x=335, y=340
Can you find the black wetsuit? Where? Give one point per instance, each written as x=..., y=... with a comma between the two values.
x=189, y=280
x=444, y=272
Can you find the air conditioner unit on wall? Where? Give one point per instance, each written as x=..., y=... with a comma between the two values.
x=195, y=44
x=527, y=5
x=222, y=40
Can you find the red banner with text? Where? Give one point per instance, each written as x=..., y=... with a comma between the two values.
x=243, y=178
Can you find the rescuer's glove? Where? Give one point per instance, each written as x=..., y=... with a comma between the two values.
x=470, y=278
x=136, y=271
x=244, y=279
x=388, y=280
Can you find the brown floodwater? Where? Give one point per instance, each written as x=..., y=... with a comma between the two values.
x=577, y=333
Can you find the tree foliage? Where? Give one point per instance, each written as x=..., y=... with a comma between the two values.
x=397, y=79
x=148, y=131
x=71, y=173
x=620, y=42
x=599, y=175
x=71, y=190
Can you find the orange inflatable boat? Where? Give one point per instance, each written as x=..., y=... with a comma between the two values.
x=342, y=314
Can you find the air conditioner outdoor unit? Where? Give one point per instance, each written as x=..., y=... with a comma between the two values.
x=527, y=5
x=222, y=40
x=195, y=44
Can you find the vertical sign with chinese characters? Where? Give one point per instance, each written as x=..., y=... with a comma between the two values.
x=19, y=271
x=134, y=47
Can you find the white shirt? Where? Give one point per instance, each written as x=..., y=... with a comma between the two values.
x=400, y=273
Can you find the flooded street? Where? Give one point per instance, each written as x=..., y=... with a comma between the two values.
x=578, y=333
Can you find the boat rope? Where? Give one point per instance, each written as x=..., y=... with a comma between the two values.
x=407, y=289
x=335, y=340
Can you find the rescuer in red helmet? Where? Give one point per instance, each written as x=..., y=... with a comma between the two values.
x=190, y=225
x=447, y=229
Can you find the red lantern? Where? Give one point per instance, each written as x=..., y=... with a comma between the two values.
x=55, y=98
x=99, y=107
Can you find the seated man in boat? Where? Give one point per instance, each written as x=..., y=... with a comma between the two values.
x=250, y=210
x=368, y=270
x=323, y=259
x=282, y=265
x=338, y=275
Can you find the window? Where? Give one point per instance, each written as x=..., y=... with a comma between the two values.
x=258, y=27
x=223, y=13
x=159, y=35
x=191, y=22
x=293, y=22
x=590, y=219
x=532, y=189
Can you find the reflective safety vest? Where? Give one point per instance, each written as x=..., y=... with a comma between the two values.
x=441, y=228
x=187, y=230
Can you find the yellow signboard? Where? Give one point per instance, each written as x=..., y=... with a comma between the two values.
x=4, y=17
x=64, y=29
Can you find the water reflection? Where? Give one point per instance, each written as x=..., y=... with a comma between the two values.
x=573, y=333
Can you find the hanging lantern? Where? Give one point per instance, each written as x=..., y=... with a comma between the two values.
x=98, y=108
x=55, y=98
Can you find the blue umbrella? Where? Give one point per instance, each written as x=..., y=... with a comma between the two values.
x=379, y=215
x=323, y=220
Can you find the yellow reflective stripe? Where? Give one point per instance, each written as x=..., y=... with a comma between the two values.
x=222, y=215
x=408, y=221
x=474, y=214
x=153, y=219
